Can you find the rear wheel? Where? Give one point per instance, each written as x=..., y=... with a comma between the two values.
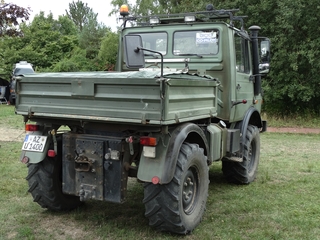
x=245, y=172
x=179, y=205
x=45, y=185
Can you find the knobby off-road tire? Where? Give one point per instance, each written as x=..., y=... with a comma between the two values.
x=179, y=205
x=245, y=172
x=45, y=185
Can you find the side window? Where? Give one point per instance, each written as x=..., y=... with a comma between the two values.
x=242, y=54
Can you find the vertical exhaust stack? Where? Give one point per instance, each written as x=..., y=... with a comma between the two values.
x=255, y=48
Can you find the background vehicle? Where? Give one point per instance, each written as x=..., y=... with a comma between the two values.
x=187, y=93
x=19, y=69
x=4, y=89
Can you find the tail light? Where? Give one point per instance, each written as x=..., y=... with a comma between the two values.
x=148, y=141
x=149, y=144
x=32, y=127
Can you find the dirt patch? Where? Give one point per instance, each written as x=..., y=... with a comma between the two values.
x=58, y=227
x=295, y=130
x=11, y=135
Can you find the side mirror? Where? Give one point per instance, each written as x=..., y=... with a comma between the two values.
x=265, y=58
x=133, y=54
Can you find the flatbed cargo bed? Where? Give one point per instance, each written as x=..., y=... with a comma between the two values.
x=140, y=97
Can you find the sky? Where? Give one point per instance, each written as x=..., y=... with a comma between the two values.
x=58, y=7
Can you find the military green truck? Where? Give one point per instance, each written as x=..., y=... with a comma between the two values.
x=186, y=93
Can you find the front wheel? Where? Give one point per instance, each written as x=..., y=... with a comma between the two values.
x=245, y=172
x=179, y=205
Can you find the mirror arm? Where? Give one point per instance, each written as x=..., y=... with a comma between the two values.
x=149, y=50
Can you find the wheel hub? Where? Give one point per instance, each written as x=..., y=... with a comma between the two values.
x=189, y=191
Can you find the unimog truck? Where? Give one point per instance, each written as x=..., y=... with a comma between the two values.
x=186, y=93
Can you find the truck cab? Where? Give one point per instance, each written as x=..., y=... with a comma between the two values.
x=206, y=43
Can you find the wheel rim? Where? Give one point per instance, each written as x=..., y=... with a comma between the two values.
x=189, y=190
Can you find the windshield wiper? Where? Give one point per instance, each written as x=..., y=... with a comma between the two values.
x=190, y=54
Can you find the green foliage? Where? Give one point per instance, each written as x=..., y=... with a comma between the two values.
x=109, y=50
x=299, y=120
x=47, y=39
x=178, y=6
x=56, y=45
x=141, y=7
x=45, y=42
x=291, y=87
x=78, y=62
x=90, y=31
x=80, y=14
x=294, y=80
x=91, y=36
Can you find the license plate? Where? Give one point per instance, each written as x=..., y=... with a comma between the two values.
x=34, y=143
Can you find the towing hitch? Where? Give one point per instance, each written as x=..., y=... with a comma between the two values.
x=83, y=164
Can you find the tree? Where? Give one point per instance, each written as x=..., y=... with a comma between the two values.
x=45, y=42
x=294, y=79
x=80, y=14
x=55, y=45
x=76, y=62
x=109, y=50
x=10, y=15
x=91, y=36
x=90, y=31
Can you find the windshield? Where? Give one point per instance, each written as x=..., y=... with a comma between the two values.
x=196, y=42
x=155, y=41
x=21, y=71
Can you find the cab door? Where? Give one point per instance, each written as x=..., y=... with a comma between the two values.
x=244, y=80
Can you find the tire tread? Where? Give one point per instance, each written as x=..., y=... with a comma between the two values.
x=162, y=208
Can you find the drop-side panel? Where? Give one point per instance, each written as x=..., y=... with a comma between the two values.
x=122, y=100
x=189, y=100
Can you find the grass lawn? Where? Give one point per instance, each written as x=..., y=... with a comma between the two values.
x=283, y=202
x=9, y=119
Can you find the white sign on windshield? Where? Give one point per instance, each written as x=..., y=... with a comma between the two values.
x=206, y=37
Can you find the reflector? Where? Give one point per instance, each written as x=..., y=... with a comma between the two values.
x=51, y=153
x=155, y=180
x=25, y=160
